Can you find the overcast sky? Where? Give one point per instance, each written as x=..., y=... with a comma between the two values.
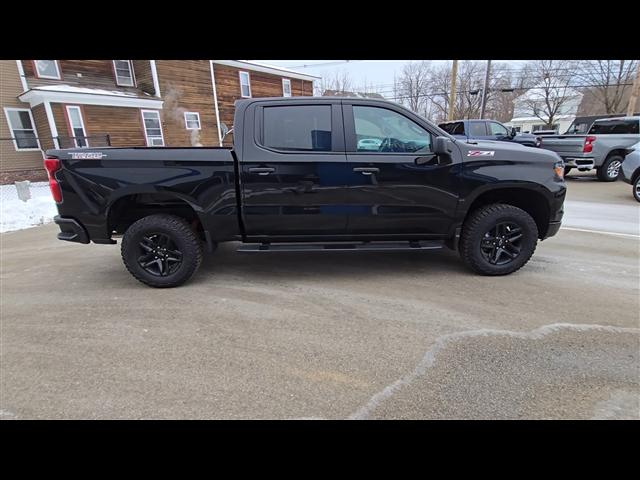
x=373, y=72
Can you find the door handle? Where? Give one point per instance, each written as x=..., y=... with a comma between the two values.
x=262, y=170
x=366, y=170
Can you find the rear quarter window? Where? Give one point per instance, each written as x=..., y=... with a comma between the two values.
x=615, y=127
x=298, y=127
x=456, y=128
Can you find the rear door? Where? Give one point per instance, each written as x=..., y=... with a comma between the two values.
x=478, y=130
x=398, y=188
x=293, y=168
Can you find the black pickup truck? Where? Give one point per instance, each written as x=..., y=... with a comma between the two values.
x=309, y=174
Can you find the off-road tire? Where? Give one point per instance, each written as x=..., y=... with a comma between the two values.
x=482, y=221
x=603, y=170
x=179, y=231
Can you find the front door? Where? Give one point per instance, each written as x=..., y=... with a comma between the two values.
x=293, y=170
x=397, y=185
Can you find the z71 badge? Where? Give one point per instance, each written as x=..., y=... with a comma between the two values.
x=87, y=155
x=481, y=153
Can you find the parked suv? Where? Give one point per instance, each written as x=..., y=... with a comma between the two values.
x=488, y=130
x=631, y=169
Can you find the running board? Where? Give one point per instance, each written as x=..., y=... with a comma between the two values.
x=342, y=247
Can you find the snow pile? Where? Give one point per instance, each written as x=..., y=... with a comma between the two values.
x=16, y=214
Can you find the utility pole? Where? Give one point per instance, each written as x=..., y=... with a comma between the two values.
x=452, y=97
x=635, y=93
x=484, y=89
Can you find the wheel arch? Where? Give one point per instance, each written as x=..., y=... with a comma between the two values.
x=128, y=207
x=532, y=198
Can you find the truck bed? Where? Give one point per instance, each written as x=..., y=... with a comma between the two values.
x=96, y=182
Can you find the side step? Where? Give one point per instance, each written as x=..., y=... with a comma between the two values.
x=342, y=247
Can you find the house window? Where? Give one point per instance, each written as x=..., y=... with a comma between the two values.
x=47, y=69
x=245, y=85
x=286, y=87
x=192, y=120
x=152, y=128
x=76, y=124
x=22, y=130
x=124, y=73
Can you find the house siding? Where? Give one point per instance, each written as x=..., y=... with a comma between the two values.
x=186, y=87
x=12, y=160
x=144, y=77
x=262, y=85
x=123, y=125
x=93, y=73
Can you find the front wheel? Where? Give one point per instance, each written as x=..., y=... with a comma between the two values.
x=498, y=239
x=610, y=169
x=161, y=250
x=636, y=188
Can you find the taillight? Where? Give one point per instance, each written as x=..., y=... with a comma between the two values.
x=52, y=165
x=588, y=144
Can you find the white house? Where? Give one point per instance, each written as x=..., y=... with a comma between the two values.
x=524, y=119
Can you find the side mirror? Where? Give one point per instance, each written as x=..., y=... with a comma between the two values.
x=513, y=132
x=442, y=146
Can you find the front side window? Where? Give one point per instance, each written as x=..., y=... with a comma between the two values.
x=613, y=127
x=286, y=87
x=47, y=69
x=477, y=129
x=245, y=85
x=124, y=73
x=497, y=129
x=152, y=128
x=192, y=120
x=76, y=126
x=22, y=129
x=382, y=130
x=299, y=127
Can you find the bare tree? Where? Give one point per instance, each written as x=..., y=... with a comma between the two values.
x=338, y=81
x=551, y=89
x=411, y=87
x=609, y=83
x=506, y=85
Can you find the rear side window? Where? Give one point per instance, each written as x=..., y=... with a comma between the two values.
x=456, y=128
x=615, y=127
x=477, y=129
x=298, y=127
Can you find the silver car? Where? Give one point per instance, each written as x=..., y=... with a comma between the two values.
x=631, y=169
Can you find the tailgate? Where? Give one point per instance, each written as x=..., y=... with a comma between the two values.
x=563, y=144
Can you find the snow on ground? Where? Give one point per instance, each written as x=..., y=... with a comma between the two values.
x=16, y=214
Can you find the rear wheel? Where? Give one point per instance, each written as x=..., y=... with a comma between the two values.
x=610, y=169
x=161, y=250
x=636, y=188
x=498, y=239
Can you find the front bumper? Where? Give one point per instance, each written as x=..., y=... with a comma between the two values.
x=71, y=230
x=626, y=173
x=553, y=229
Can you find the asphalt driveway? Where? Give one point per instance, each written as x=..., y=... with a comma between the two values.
x=330, y=335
